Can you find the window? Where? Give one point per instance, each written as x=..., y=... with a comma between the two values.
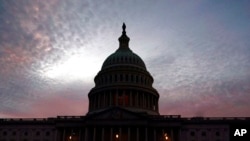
x=121, y=77
x=47, y=133
x=217, y=133
x=106, y=79
x=126, y=99
x=127, y=77
x=120, y=98
x=102, y=80
x=192, y=133
x=110, y=78
x=115, y=78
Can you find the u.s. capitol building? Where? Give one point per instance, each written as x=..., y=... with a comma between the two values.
x=123, y=106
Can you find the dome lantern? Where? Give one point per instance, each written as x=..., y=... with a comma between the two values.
x=124, y=39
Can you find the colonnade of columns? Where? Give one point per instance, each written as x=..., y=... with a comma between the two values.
x=127, y=98
x=107, y=79
x=119, y=134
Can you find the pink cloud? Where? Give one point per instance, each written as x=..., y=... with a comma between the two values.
x=206, y=105
x=58, y=105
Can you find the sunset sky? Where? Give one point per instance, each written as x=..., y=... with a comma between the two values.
x=198, y=52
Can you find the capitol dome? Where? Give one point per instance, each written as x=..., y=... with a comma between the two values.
x=123, y=57
x=124, y=82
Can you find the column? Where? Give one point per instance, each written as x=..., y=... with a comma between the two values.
x=102, y=134
x=116, y=97
x=156, y=103
x=110, y=98
x=172, y=135
x=147, y=100
x=120, y=134
x=136, y=99
x=180, y=135
x=162, y=132
x=146, y=134
x=56, y=138
x=94, y=97
x=143, y=101
x=123, y=97
x=86, y=134
x=154, y=135
x=97, y=100
x=137, y=134
x=111, y=134
x=80, y=136
x=104, y=99
x=130, y=98
x=63, y=134
x=128, y=134
x=152, y=102
x=94, y=135
x=90, y=103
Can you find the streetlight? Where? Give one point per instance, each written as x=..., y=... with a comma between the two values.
x=166, y=136
x=117, y=136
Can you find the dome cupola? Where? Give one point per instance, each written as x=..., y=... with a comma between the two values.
x=124, y=81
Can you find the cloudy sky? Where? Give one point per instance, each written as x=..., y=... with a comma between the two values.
x=198, y=52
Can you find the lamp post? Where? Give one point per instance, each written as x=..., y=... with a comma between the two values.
x=166, y=136
x=116, y=137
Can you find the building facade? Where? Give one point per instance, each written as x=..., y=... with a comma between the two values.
x=123, y=106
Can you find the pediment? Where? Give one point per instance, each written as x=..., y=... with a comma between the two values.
x=116, y=113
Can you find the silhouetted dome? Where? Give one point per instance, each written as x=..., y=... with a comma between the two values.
x=124, y=82
x=123, y=56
